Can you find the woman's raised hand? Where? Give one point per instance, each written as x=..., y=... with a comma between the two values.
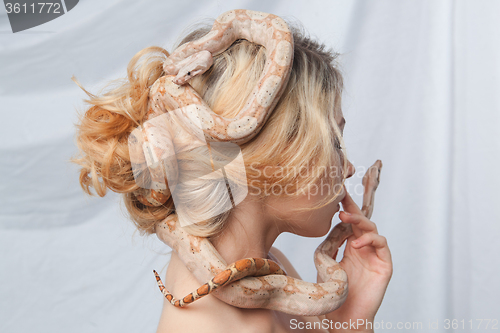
x=368, y=264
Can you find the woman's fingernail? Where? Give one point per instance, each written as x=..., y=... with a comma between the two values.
x=347, y=213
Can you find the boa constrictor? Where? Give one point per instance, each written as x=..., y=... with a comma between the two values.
x=170, y=92
x=275, y=291
x=151, y=149
x=234, y=272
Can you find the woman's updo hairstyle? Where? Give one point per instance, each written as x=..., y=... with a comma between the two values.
x=294, y=150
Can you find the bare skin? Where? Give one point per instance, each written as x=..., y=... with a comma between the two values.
x=251, y=231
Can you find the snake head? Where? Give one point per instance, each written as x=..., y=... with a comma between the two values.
x=372, y=175
x=196, y=64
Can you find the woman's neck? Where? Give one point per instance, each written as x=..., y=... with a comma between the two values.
x=249, y=233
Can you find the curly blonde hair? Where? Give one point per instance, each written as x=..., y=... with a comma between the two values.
x=300, y=134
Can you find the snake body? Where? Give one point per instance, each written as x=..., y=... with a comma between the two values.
x=170, y=92
x=176, y=109
x=274, y=292
x=234, y=272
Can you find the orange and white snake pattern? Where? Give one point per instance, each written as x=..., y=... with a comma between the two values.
x=234, y=272
x=274, y=291
x=256, y=283
x=170, y=92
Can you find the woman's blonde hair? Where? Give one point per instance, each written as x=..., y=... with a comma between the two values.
x=298, y=147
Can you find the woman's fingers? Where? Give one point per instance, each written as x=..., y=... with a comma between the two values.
x=376, y=241
x=352, y=214
x=349, y=205
x=360, y=221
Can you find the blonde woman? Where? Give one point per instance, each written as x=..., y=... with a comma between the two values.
x=302, y=133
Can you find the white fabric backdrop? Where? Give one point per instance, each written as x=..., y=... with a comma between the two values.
x=422, y=94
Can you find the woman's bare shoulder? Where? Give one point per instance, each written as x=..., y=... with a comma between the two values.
x=207, y=314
